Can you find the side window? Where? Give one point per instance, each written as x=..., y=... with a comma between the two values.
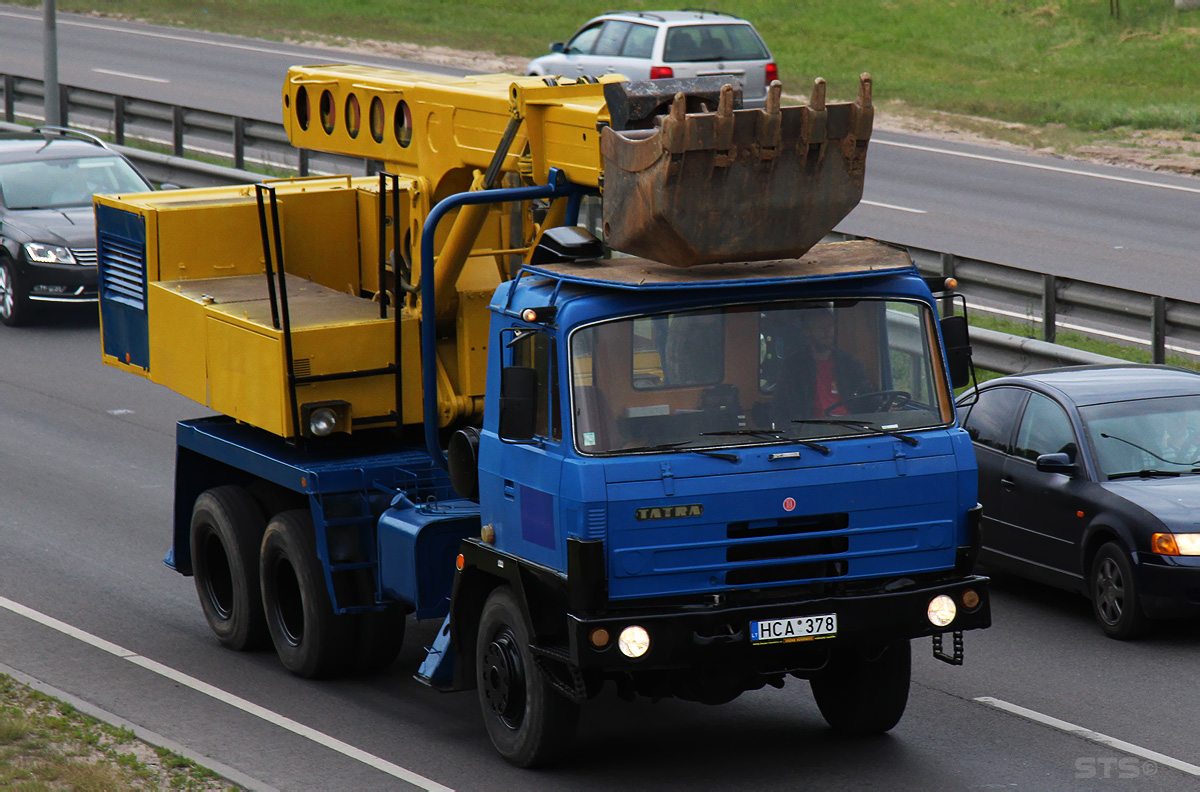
x=640, y=42
x=612, y=37
x=990, y=421
x=536, y=350
x=1045, y=429
x=583, y=43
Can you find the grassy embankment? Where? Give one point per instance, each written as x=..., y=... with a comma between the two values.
x=1034, y=62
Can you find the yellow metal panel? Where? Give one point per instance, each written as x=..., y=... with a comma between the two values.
x=320, y=233
x=221, y=238
x=248, y=381
x=472, y=329
x=176, y=320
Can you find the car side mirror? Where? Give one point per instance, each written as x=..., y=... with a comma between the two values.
x=1057, y=463
x=558, y=47
x=518, y=403
x=957, y=338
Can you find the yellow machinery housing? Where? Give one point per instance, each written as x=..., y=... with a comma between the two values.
x=221, y=329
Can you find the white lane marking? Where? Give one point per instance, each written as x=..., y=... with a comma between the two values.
x=131, y=76
x=1036, y=166
x=1092, y=736
x=188, y=39
x=227, y=698
x=893, y=206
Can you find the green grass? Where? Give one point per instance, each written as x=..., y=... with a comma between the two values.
x=46, y=744
x=1031, y=61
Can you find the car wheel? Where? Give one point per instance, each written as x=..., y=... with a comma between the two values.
x=1114, y=594
x=864, y=691
x=309, y=638
x=530, y=723
x=226, y=532
x=15, y=309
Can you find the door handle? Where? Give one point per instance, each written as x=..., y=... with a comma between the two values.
x=1008, y=484
x=510, y=492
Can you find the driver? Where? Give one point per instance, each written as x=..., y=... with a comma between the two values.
x=819, y=375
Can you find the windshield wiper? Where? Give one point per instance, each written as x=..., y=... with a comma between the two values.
x=1148, y=451
x=1145, y=473
x=678, y=445
x=771, y=434
x=870, y=426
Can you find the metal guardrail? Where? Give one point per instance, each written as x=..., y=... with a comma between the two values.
x=1047, y=301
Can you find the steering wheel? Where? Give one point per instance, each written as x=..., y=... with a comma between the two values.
x=884, y=401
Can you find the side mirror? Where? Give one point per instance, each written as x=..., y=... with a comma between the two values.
x=958, y=349
x=1056, y=463
x=558, y=47
x=518, y=403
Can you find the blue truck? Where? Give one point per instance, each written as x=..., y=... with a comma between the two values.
x=704, y=455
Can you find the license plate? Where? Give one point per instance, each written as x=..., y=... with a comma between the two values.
x=804, y=628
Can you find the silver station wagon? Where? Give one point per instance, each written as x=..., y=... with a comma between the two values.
x=651, y=45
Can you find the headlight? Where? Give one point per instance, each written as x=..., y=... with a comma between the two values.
x=634, y=641
x=48, y=254
x=1187, y=544
x=941, y=610
x=322, y=422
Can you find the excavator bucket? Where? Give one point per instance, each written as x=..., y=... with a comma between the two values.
x=735, y=185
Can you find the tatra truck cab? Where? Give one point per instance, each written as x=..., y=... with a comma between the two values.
x=696, y=453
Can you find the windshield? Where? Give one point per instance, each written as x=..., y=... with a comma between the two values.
x=752, y=374
x=1145, y=435
x=46, y=184
x=694, y=43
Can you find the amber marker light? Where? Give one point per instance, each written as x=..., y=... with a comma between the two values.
x=599, y=637
x=529, y=315
x=951, y=284
x=970, y=599
x=1175, y=544
x=460, y=562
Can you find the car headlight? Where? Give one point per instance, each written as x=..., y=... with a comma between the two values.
x=48, y=254
x=1187, y=544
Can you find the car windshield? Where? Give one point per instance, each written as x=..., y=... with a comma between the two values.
x=53, y=183
x=1145, y=436
x=778, y=372
x=694, y=43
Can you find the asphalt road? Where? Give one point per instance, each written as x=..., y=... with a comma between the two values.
x=86, y=456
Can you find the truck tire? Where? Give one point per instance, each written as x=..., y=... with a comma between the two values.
x=379, y=634
x=226, y=531
x=864, y=691
x=309, y=638
x=530, y=723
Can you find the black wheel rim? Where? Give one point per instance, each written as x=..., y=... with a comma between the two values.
x=1110, y=591
x=289, y=602
x=503, y=678
x=218, y=577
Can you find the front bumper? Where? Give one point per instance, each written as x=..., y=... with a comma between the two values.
x=59, y=282
x=720, y=636
x=1169, y=585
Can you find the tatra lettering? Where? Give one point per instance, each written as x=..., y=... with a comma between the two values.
x=669, y=512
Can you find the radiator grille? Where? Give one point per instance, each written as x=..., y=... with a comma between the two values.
x=123, y=271
x=84, y=256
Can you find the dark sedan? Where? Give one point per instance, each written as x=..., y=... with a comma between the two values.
x=47, y=225
x=1090, y=480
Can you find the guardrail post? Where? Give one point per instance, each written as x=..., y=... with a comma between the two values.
x=10, y=97
x=303, y=162
x=64, y=107
x=177, y=129
x=119, y=119
x=239, y=143
x=1049, y=308
x=948, y=262
x=1158, y=328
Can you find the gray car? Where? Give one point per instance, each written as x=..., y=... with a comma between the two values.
x=47, y=225
x=651, y=45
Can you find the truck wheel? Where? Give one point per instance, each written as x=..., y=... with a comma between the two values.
x=864, y=691
x=227, y=528
x=1114, y=594
x=529, y=722
x=379, y=634
x=310, y=640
